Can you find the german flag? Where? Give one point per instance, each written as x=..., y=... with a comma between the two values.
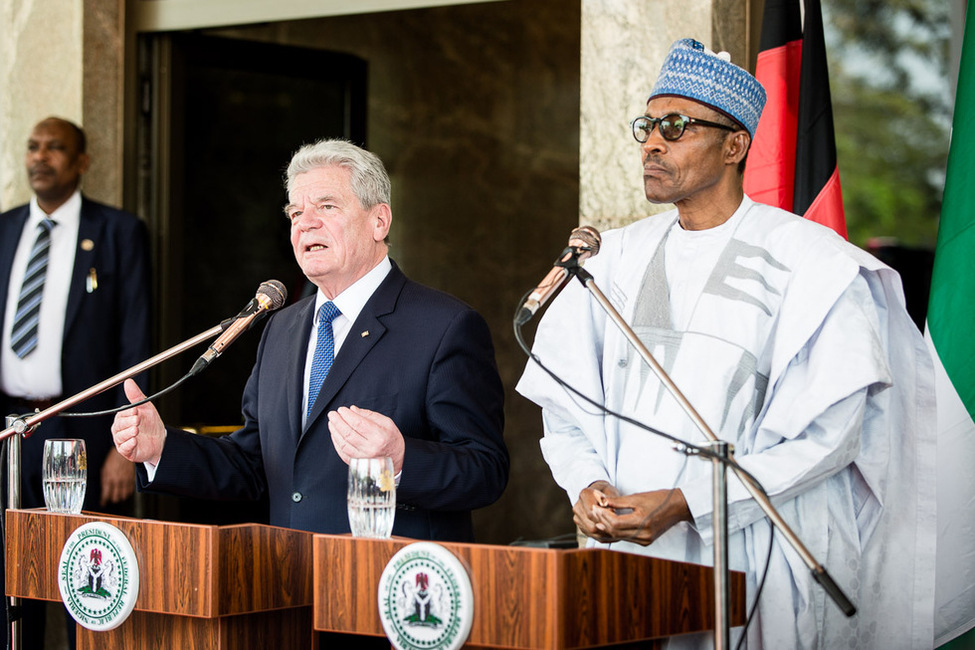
x=792, y=162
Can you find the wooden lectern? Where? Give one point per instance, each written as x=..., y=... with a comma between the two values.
x=253, y=586
x=530, y=597
x=202, y=587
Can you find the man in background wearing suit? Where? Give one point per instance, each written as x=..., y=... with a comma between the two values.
x=413, y=378
x=93, y=314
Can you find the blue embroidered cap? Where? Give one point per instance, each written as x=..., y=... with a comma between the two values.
x=693, y=71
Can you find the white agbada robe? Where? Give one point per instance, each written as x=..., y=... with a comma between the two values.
x=796, y=347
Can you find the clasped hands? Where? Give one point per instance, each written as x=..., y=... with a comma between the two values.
x=607, y=516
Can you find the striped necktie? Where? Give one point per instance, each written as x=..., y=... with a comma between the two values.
x=23, y=336
x=324, y=352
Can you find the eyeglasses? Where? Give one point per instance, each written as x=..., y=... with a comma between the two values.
x=671, y=126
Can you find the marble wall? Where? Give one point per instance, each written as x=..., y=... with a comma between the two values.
x=103, y=101
x=623, y=45
x=40, y=75
x=475, y=111
x=64, y=59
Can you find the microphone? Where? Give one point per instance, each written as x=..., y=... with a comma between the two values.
x=583, y=243
x=270, y=295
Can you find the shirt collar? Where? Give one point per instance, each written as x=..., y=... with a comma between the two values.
x=351, y=301
x=68, y=212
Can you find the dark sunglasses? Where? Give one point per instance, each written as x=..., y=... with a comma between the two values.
x=671, y=126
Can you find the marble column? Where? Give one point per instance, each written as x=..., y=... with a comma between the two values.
x=103, y=43
x=623, y=44
x=61, y=58
x=40, y=73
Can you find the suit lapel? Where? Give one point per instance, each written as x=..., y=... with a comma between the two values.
x=10, y=230
x=299, y=331
x=357, y=345
x=90, y=229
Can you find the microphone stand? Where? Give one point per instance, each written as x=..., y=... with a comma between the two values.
x=25, y=424
x=19, y=426
x=722, y=459
x=14, y=631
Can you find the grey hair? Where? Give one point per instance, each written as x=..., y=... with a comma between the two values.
x=370, y=182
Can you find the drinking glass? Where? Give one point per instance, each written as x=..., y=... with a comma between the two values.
x=371, y=497
x=65, y=474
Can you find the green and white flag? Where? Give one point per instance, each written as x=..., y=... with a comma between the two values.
x=951, y=332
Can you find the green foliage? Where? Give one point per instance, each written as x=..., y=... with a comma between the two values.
x=891, y=154
x=892, y=114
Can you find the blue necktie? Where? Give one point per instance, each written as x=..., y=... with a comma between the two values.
x=23, y=336
x=324, y=352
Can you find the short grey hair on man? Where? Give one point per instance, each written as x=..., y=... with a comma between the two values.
x=370, y=182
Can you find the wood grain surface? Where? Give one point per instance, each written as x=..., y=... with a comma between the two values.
x=208, y=587
x=530, y=597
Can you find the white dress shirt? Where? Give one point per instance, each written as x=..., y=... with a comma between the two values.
x=38, y=375
x=350, y=302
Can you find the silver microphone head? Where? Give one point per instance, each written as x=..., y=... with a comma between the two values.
x=587, y=238
x=274, y=294
x=584, y=242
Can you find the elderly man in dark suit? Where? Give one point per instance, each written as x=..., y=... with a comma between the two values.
x=82, y=320
x=412, y=376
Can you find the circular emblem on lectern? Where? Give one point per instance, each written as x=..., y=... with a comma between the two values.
x=98, y=576
x=425, y=599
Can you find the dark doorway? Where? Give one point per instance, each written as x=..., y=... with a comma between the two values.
x=239, y=110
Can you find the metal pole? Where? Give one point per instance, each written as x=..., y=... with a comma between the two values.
x=722, y=586
x=13, y=501
x=20, y=425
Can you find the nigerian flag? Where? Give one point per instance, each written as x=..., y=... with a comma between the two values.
x=951, y=331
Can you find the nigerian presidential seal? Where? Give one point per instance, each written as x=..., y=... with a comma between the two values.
x=98, y=576
x=425, y=599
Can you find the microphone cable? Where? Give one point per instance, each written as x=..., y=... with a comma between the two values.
x=271, y=295
x=91, y=414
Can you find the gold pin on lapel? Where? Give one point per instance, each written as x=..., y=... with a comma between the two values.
x=87, y=245
x=364, y=334
x=91, y=283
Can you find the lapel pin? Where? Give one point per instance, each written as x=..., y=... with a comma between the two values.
x=364, y=334
x=87, y=245
x=91, y=282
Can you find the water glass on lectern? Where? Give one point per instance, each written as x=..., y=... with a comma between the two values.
x=65, y=474
x=372, y=497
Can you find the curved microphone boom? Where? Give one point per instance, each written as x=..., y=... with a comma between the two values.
x=584, y=242
x=270, y=295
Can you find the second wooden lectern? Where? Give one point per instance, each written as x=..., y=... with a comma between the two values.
x=533, y=598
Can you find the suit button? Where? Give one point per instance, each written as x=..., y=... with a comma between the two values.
x=296, y=497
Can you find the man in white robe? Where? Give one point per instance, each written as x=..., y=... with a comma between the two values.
x=792, y=344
